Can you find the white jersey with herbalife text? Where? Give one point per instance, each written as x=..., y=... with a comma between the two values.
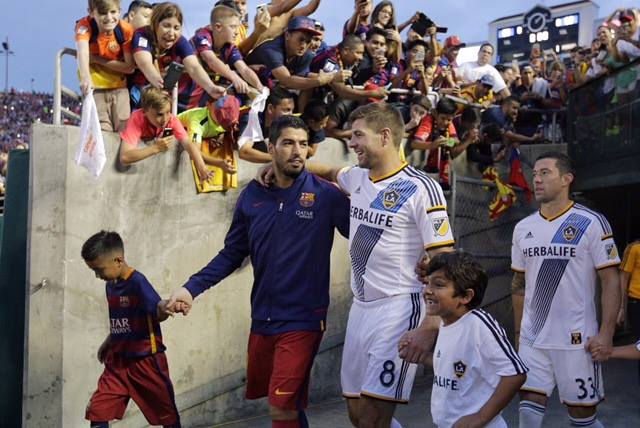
x=560, y=257
x=393, y=220
x=470, y=357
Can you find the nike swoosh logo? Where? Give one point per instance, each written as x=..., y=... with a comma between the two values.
x=278, y=392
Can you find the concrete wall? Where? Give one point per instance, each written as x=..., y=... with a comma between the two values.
x=170, y=232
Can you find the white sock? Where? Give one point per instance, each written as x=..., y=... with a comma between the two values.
x=531, y=414
x=591, y=422
x=395, y=423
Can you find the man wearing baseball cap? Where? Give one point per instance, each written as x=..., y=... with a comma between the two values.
x=445, y=75
x=481, y=92
x=287, y=58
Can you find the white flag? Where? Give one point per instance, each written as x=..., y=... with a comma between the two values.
x=91, y=153
x=253, y=131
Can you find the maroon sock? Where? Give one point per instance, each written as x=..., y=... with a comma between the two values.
x=291, y=423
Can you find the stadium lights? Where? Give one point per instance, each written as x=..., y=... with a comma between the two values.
x=7, y=51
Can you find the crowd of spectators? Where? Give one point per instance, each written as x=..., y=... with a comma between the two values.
x=18, y=111
x=449, y=108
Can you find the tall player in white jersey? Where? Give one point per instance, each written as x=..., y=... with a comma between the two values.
x=397, y=213
x=558, y=254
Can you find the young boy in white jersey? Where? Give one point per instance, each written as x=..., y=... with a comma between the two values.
x=476, y=370
x=558, y=254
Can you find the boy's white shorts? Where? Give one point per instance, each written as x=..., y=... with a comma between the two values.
x=578, y=377
x=370, y=362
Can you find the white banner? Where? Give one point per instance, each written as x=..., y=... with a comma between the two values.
x=91, y=153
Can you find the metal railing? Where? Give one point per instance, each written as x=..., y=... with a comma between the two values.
x=59, y=89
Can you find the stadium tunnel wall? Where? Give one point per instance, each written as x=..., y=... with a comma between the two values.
x=170, y=232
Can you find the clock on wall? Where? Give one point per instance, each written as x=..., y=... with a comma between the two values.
x=536, y=19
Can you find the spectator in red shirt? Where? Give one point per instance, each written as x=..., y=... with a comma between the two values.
x=158, y=129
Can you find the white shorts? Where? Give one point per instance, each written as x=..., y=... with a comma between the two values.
x=370, y=362
x=578, y=377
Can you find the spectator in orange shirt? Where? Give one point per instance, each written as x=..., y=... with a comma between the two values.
x=104, y=59
x=159, y=130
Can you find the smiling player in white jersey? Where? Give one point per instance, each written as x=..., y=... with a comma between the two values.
x=397, y=213
x=558, y=254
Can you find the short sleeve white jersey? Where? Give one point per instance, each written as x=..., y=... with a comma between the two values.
x=470, y=357
x=560, y=257
x=393, y=220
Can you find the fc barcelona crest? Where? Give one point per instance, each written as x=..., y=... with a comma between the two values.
x=307, y=199
x=569, y=233
x=124, y=301
x=390, y=199
x=459, y=368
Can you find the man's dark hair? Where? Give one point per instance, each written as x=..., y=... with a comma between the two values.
x=286, y=121
x=315, y=110
x=373, y=31
x=493, y=50
x=464, y=271
x=278, y=94
x=470, y=115
x=446, y=106
x=137, y=4
x=100, y=244
x=350, y=41
x=510, y=100
x=563, y=162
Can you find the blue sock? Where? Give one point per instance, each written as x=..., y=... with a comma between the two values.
x=99, y=424
x=302, y=418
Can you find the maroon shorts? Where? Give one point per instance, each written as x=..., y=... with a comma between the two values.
x=146, y=381
x=279, y=367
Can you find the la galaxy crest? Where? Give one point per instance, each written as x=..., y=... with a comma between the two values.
x=390, y=199
x=307, y=199
x=459, y=368
x=441, y=226
x=569, y=233
x=612, y=251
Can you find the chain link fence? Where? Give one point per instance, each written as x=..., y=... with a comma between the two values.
x=489, y=241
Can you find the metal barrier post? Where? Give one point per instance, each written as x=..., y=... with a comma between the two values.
x=58, y=89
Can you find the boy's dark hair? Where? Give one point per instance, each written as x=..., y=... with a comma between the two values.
x=563, y=162
x=470, y=114
x=315, y=110
x=277, y=95
x=464, y=271
x=350, y=41
x=286, y=121
x=100, y=244
x=446, y=106
x=138, y=4
x=510, y=100
x=376, y=31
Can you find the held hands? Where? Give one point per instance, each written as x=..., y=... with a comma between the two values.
x=415, y=345
x=600, y=347
x=180, y=301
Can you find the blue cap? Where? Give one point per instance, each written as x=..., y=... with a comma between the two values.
x=488, y=80
x=303, y=23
